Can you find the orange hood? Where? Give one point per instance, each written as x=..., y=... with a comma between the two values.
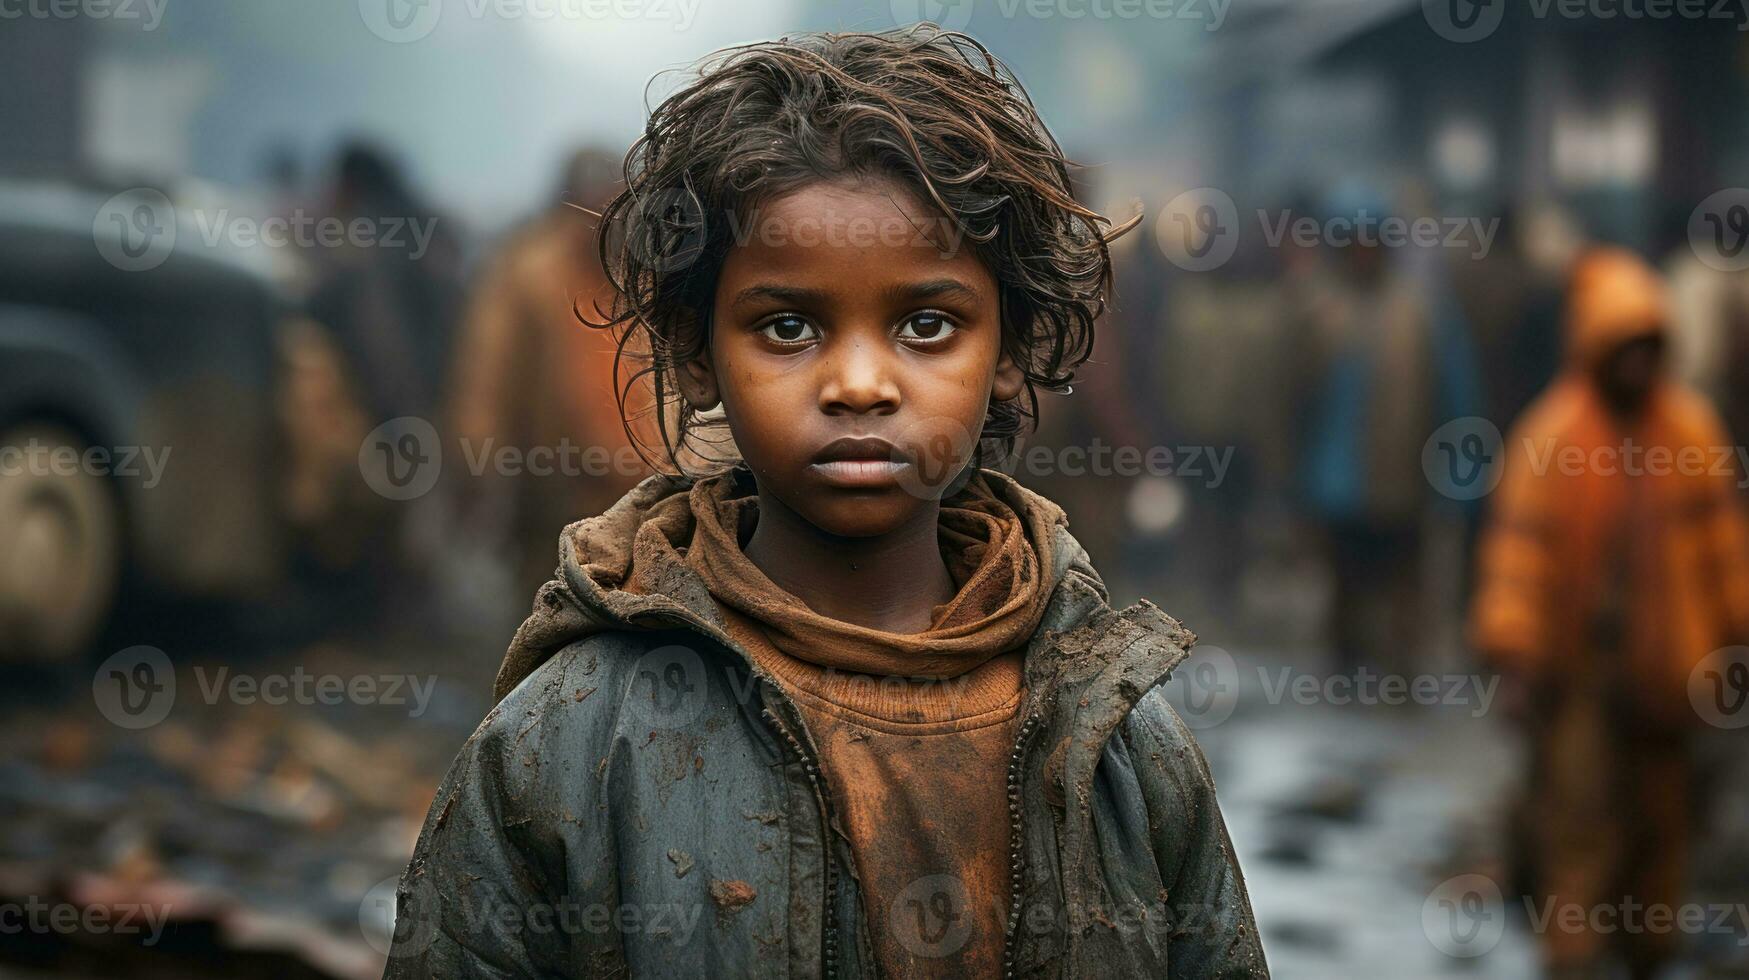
x=1613, y=298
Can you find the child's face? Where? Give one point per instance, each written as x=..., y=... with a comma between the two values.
x=839, y=317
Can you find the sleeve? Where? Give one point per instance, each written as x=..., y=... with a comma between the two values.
x=1215, y=933
x=488, y=892
x=1514, y=565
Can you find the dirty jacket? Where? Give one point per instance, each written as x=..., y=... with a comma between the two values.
x=647, y=801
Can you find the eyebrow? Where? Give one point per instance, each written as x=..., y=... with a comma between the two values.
x=934, y=289
x=783, y=294
x=925, y=289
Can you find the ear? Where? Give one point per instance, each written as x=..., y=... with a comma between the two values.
x=698, y=383
x=1009, y=380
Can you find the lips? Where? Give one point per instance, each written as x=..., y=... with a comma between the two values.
x=865, y=461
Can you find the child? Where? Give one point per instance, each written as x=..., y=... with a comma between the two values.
x=850, y=707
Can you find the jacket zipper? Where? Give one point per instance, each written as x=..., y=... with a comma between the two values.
x=829, y=918
x=1016, y=843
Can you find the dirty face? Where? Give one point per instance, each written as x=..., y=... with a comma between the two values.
x=855, y=346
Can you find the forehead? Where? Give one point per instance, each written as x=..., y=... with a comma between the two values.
x=847, y=232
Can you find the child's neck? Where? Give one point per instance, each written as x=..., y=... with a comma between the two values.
x=891, y=582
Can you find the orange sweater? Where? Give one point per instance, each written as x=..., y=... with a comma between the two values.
x=917, y=770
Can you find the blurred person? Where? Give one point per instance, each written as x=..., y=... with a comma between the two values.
x=1227, y=323
x=1602, y=586
x=384, y=293
x=1513, y=311
x=1709, y=343
x=1380, y=373
x=390, y=294
x=531, y=375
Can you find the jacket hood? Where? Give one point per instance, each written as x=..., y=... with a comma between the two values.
x=625, y=570
x=1613, y=297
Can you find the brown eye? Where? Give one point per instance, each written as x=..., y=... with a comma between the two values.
x=789, y=330
x=926, y=328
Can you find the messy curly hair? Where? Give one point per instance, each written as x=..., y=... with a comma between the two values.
x=930, y=109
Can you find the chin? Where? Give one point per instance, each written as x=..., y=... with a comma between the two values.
x=860, y=513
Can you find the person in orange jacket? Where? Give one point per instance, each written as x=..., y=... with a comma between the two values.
x=535, y=385
x=1615, y=562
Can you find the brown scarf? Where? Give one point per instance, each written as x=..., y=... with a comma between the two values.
x=998, y=558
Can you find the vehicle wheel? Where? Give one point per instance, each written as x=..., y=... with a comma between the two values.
x=60, y=545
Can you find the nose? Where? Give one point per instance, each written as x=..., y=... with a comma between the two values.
x=859, y=380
